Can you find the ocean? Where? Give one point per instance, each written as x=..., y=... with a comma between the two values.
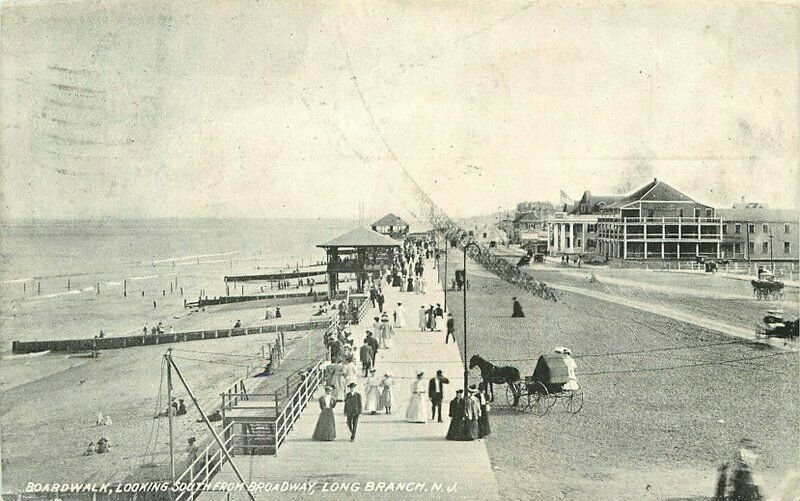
x=40, y=258
x=67, y=279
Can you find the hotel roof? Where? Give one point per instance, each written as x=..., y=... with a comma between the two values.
x=759, y=215
x=654, y=191
x=361, y=237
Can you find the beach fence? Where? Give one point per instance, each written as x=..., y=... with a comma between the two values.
x=112, y=343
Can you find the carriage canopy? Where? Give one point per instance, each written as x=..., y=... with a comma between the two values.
x=551, y=369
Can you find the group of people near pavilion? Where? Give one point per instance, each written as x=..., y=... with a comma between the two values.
x=366, y=390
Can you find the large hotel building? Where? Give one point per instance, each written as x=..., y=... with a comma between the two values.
x=658, y=222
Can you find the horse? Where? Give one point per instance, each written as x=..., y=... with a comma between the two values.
x=492, y=374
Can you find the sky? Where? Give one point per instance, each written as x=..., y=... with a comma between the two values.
x=309, y=109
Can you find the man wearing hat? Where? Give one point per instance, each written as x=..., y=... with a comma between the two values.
x=365, y=355
x=373, y=343
x=451, y=329
x=436, y=393
x=352, y=409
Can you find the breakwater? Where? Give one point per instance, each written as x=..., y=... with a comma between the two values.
x=288, y=298
x=114, y=343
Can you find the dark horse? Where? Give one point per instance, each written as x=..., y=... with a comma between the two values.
x=493, y=374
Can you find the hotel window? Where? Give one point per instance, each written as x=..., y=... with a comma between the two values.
x=650, y=212
x=696, y=212
x=764, y=228
x=724, y=229
x=737, y=228
x=680, y=212
x=709, y=212
x=752, y=247
x=786, y=247
x=786, y=228
x=737, y=248
x=764, y=247
x=751, y=228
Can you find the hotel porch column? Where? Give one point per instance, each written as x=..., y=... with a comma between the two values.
x=718, y=255
x=571, y=238
x=645, y=248
x=624, y=240
x=562, y=242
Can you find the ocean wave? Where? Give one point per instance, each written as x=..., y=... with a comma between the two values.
x=17, y=280
x=195, y=256
x=145, y=278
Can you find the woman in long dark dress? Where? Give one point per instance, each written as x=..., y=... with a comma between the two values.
x=483, y=421
x=325, y=430
x=456, y=429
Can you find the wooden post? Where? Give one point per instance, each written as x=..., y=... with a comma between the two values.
x=39, y=288
x=69, y=284
x=124, y=288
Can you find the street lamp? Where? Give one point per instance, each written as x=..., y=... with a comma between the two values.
x=466, y=369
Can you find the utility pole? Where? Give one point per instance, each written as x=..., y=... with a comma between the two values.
x=771, y=260
x=168, y=359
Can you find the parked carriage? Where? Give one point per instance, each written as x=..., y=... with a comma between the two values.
x=766, y=287
x=548, y=384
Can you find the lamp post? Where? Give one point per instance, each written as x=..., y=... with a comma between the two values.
x=466, y=369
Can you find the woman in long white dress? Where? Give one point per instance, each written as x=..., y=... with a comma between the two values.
x=415, y=412
x=399, y=316
x=339, y=381
x=350, y=371
x=372, y=390
x=385, y=334
x=387, y=393
x=423, y=318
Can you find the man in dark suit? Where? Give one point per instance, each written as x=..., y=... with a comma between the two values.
x=370, y=340
x=451, y=329
x=436, y=393
x=352, y=409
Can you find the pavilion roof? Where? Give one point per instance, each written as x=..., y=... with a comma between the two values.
x=390, y=220
x=361, y=237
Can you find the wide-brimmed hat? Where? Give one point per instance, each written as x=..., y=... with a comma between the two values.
x=373, y=370
x=352, y=385
x=420, y=373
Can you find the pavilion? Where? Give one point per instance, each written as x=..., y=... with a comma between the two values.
x=359, y=251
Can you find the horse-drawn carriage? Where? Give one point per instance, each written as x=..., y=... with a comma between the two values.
x=766, y=287
x=778, y=326
x=552, y=380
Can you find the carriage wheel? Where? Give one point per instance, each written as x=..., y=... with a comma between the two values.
x=574, y=403
x=512, y=393
x=537, y=398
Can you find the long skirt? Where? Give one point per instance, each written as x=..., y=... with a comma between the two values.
x=326, y=427
x=456, y=429
x=373, y=401
x=340, y=389
x=437, y=323
x=471, y=430
x=483, y=424
x=415, y=412
x=387, y=395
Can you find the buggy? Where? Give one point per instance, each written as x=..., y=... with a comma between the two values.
x=547, y=385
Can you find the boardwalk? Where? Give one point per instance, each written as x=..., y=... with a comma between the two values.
x=387, y=449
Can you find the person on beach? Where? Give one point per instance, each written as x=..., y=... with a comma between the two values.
x=103, y=445
x=277, y=311
x=181, y=408
x=387, y=392
x=472, y=412
x=373, y=343
x=89, y=449
x=192, y=450
x=415, y=412
x=107, y=421
x=399, y=316
x=483, y=421
x=456, y=429
x=429, y=317
x=436, y=393
x=417, y=285
x=325, y=431
x=410, y=284
x=372, y=393
x=365, y=356
x=98, y=419
x=423, y=319
x=438, y=318
x=516, y=309
x=451, y=329
x=423, y=285
x=352, y=409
